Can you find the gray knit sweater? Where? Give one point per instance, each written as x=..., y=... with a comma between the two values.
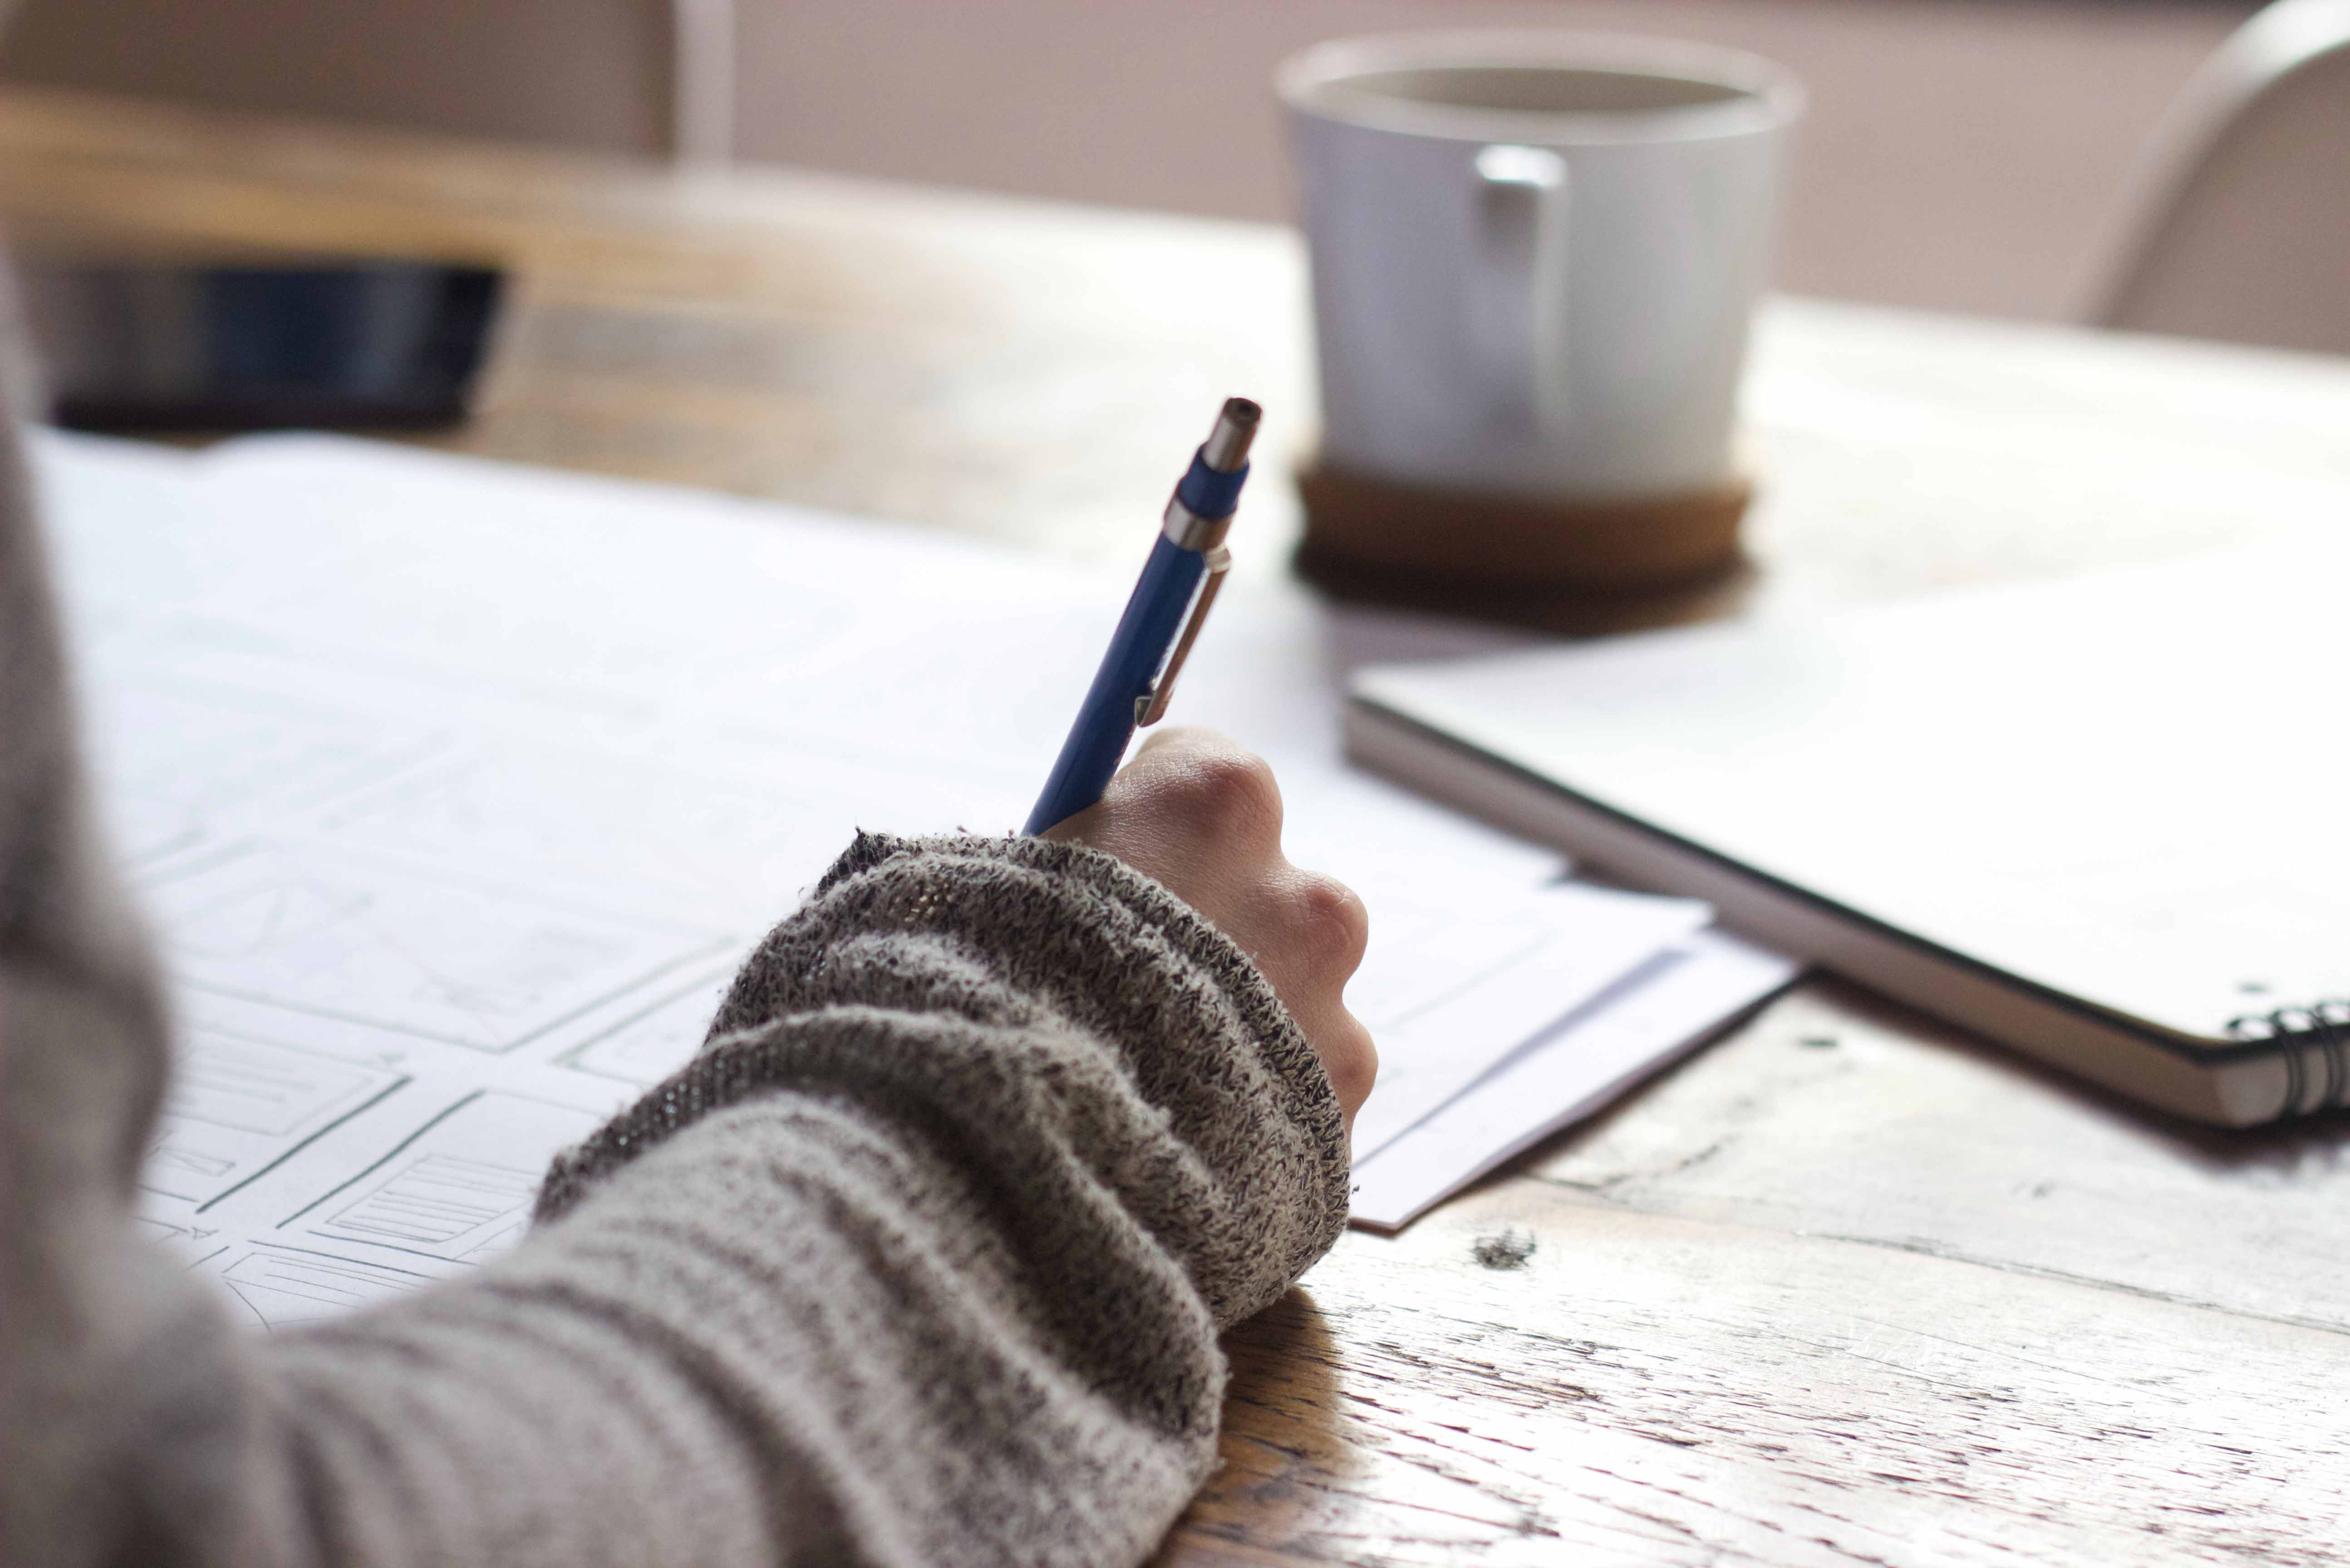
x=921, y=1261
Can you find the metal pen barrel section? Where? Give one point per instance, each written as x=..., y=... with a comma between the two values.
x=1202, y=508
x=1226, y=448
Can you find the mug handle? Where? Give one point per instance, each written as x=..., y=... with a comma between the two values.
x=1517, y=302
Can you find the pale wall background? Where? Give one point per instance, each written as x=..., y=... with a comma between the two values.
x=1961, y=154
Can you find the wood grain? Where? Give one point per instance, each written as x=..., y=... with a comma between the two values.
x=1846, y=1289
x=1850, y=1291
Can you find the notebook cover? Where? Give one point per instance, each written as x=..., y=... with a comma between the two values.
x=2124, y=788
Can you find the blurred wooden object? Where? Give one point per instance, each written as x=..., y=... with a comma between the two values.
x=1374, y=538
x=2241, y=228
x=1848, y=1288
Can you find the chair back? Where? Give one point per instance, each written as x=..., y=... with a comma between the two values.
x=2240, y=224
x=628, y=76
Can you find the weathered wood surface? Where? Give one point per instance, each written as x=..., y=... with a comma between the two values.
x=1847, y=1288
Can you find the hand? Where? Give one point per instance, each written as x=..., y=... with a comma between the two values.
x=1202, y=817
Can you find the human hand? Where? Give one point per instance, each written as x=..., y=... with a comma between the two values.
x=1202, y=817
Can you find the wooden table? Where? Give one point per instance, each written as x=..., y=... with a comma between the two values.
x=1848, y=1288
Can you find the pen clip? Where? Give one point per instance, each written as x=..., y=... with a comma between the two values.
x=1151, y=706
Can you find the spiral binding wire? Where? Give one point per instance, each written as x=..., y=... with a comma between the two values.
x=2325, y=1027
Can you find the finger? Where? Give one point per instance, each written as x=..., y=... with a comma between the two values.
x=1332, y=923
x=1134, y=782
x=1182, y=736
x=1307, y=932
x=1348, y=1054
x=1353, y=1064
x=1082, y=827
x=1205, y=785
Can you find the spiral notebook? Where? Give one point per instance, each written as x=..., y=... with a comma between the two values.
x=2105, y=820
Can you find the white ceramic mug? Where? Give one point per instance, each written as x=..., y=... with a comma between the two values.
x=1535, y=254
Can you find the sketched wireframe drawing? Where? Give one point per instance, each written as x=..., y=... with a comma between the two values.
x=457, y=1190
x=654, y=1042
x=312, y=929
x=282, y=1286
x=238, y=1107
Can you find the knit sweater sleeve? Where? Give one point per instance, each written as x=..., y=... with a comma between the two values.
x=922, y=1259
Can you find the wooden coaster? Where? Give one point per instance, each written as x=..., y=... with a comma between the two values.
x=1362, y=532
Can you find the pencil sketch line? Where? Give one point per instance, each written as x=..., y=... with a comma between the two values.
x=312, y=1011
x=639, y=1016
x=715, y=945
x=336, y=1258
x=389, y=1155
x=361, y=1109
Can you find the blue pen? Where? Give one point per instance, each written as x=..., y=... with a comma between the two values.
x=1187, y=565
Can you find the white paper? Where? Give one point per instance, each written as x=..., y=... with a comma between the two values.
x=1586, y=1061
x=1449, y=992
x=456, y=792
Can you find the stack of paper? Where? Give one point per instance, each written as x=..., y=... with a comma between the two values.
x=456, y=792
x=1647, y=1020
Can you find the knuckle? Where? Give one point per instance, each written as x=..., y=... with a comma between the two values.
x=1333, y=919
x=1231, y=789
x=1352, y=1061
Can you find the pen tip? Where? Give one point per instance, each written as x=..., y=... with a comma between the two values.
x=1227, y=446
